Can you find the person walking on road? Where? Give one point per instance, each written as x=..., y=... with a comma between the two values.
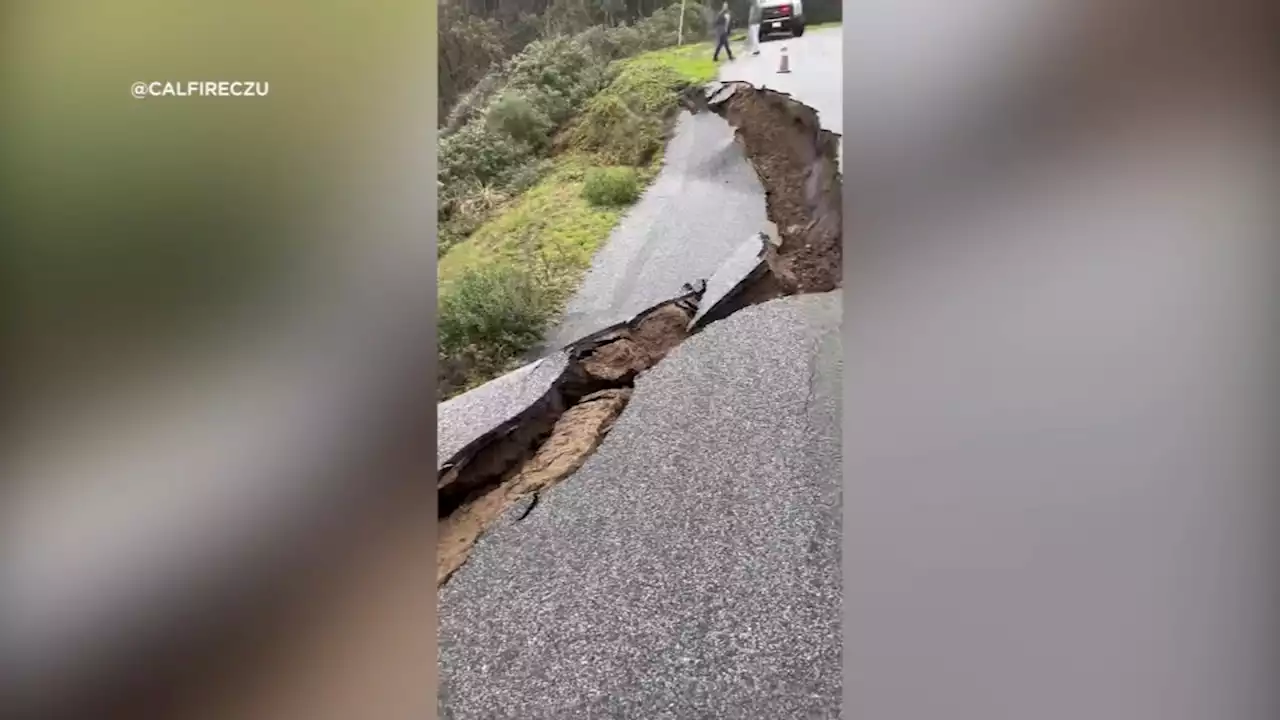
x=753, y=26
x=722, y=33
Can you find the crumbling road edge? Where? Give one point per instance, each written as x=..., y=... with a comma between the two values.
x=800, y=252
x=551, y=438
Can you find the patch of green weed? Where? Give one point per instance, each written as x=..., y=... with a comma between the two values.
x=611, y=186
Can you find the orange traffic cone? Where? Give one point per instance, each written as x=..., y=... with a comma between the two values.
x=784, y=64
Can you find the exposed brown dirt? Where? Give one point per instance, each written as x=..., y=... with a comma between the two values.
x=552, y=439
x=480, y=471
x=573, y=439
x=796, y=161
x=576, y=434
x=624, y=358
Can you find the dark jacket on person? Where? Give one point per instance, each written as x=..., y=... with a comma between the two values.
x=722, y=23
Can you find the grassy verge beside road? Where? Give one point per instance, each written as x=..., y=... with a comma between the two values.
x=504, y=280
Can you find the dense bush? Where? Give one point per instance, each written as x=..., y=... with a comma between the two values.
x=476, y=36
x=559, y=56
x=473, y=102
x=539, y=90
x=611, y=186
x=474, y=157
x=662, y=27
x=515, y=115
x=487, y=317
x=498, y=134
x=606, y=42
x=617, y=133
x=624, y=124
x=474, y=51
x=561, y=68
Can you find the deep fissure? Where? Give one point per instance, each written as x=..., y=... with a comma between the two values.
x=610, y=360
x=801, y=252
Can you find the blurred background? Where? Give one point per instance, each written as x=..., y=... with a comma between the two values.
x=1060, y=409
x=216, y=319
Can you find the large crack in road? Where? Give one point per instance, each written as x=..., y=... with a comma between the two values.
x=796, y=161
x=557, y=432
x=568, y=402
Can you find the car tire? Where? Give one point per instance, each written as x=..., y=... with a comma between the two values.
x=797, y=30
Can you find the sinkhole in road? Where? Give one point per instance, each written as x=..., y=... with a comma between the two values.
x=801, y=251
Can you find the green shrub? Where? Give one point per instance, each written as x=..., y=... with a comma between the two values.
x=650, y=87
x=624, y=123
x=618, y=134
x=661, y=29
x=560, y=67
x=626, y=41
x=490, y=315
x=499, y=131
x=476, y=155
x=473, y=102
x=513, y=113
x=533, y=94
x=611, y=186
x=595, y=47
x=601, y=41
x=552, y=103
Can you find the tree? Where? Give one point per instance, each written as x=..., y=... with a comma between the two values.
x=612, y=10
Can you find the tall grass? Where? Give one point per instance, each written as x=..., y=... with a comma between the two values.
x=611, y=186
x=488, y=316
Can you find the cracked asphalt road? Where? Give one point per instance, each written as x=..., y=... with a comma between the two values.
x=703, y=204
x=468, y=417
x=816, y=78
x=707, y=199
x=676, y=575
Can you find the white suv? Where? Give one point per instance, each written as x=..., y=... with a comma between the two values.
x=781, y=16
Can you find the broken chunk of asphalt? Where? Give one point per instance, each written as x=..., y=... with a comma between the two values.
x=572, y=439
x=470, y=424
x=534, y=426
x=503, y=442
x=471, y=419
x=741, y=271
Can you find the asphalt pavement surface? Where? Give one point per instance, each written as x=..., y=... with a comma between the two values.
x=678, y=574
x=468, y=417
x=690, y=569
x=707, y=199
x=704, y=203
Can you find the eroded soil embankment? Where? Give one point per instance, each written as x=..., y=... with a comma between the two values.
x=558, y=434
x=797, y=164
